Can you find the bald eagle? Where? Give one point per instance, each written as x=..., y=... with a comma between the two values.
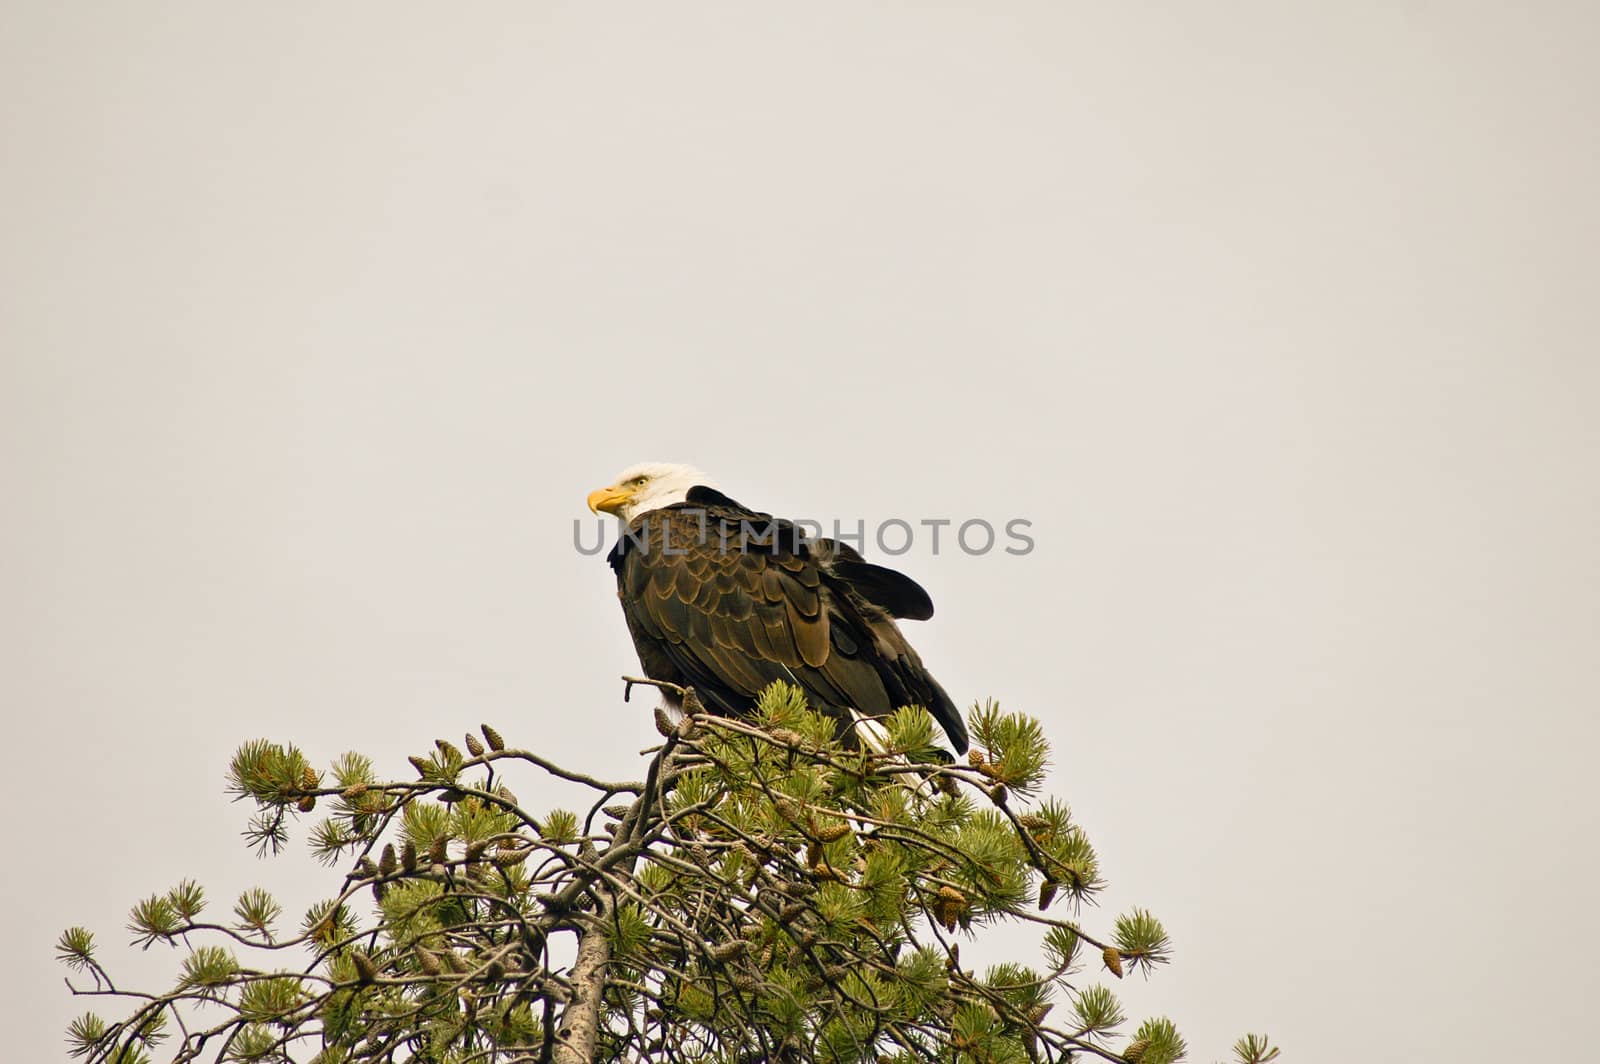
x=726, y=600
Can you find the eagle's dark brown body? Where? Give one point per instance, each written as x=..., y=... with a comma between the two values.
x=727, y=600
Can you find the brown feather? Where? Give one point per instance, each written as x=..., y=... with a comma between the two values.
x=729, y=621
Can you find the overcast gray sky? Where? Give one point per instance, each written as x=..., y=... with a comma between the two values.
x=1276, y=320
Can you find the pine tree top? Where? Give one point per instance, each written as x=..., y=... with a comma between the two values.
x=765, y=892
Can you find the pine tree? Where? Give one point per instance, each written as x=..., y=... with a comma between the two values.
x=765, y=892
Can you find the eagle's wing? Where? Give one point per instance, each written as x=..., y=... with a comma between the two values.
x=892, y=590
x=728, y=612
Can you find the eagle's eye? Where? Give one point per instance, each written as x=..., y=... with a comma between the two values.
x=638, y=482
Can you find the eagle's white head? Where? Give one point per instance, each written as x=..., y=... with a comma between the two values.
x=645, y=487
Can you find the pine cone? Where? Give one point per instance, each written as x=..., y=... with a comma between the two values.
x=367, y=970
x=664, y=724
x=950, y=905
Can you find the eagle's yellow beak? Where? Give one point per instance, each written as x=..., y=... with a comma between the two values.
x=608, y=500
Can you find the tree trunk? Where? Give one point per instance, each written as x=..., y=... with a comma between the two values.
x=579, y=1034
